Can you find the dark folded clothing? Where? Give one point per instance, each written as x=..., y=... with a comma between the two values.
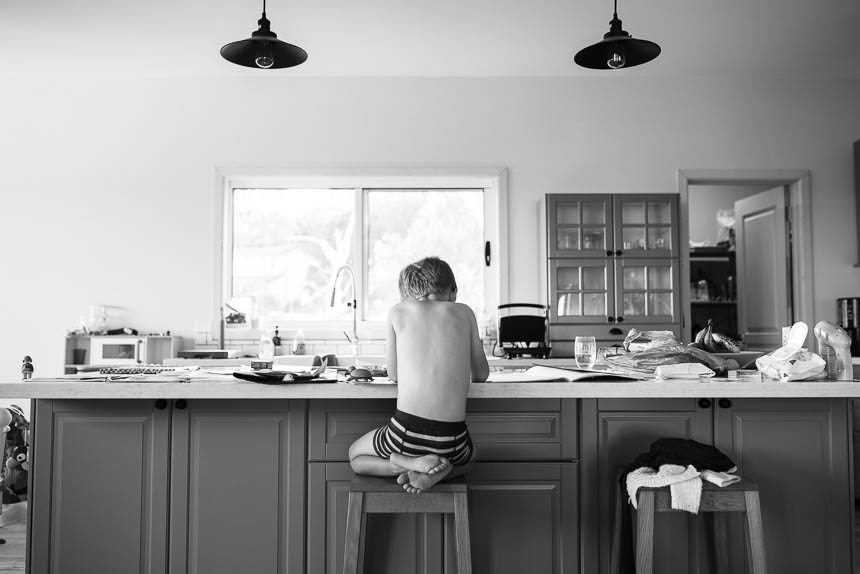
x=679, y=451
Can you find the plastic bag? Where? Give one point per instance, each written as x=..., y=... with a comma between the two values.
x=637, y=340
x=792, y=362
x=648, y=361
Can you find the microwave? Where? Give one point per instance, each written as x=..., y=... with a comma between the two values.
x=118, y=350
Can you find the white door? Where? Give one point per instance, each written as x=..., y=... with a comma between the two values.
x=763, y=268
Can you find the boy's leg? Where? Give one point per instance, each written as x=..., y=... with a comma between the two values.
x=364, y=460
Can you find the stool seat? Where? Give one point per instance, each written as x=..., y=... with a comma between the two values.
x=382, y=495
x=738, y=497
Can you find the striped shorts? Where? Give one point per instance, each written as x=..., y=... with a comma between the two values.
x=416, y=436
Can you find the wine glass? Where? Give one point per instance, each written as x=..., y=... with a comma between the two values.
x=585, y=352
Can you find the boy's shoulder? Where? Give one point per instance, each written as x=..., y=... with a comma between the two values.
x=419, y=307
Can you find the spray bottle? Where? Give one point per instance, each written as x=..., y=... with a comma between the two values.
x=834, y=346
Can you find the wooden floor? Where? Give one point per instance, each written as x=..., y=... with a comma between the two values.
x=14, y=532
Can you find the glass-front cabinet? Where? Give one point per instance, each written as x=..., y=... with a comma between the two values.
x=645, y=226
x=582, y=225
x=614, y=290
x=612, y=265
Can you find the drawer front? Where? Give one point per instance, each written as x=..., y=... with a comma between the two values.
x=502, y=429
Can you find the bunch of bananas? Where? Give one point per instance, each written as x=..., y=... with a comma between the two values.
x=714, y=342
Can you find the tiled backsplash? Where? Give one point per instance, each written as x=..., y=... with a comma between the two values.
x=250, y=347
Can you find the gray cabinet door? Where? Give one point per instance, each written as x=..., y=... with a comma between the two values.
x=523, y=516
x=797, y=450
x=99, y=499
x=237, y=487
x=614, y=432
x=394, y=544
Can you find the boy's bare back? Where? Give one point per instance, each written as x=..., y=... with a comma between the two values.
x=433, y=352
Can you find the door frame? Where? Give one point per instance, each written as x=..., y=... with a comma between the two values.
x=800, y=205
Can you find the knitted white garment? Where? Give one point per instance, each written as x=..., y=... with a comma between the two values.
x=667, y=475
x=687, y=494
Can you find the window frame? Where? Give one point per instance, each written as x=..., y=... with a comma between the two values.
x=493, y=182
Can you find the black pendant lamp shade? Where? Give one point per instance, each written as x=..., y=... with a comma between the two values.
x=263, y=49
x=617, y=49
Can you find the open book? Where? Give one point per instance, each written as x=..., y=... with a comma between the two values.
x=546, y=373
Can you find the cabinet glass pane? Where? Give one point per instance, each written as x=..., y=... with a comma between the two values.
x=659, y=238
x=634, y=278
x=593, y=212
x=594, y=278
x=634, y=304
x=633, y=212
x=660, y=278
x=567, y=238
x=594, y=304
x=568, y=305
x=567, y=213
x=593, y=238
x=659, y=212
x=568, y=279
x=660, y=304
x=633, y=238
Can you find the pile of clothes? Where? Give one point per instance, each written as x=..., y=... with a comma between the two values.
x=680, y=464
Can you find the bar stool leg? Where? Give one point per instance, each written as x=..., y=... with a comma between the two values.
x=354, y=533
x=461, y=528
x=757, y=558
x=645, y=534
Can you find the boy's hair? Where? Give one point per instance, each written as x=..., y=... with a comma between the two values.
x=425, y=277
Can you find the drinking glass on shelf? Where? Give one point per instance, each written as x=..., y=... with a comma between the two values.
x=585, y=352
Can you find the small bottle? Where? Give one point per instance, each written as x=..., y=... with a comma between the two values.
x=267, y=348
x=299, y=343
x=276, y=340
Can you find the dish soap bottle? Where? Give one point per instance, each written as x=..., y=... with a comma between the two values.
x=276, y=341
x=299, y=343
x=267, y=348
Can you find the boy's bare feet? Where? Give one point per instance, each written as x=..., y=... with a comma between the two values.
x=428, y=463
x=421, y=481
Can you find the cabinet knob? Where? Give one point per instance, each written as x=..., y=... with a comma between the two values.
x=620, y=319
x=705, y=403
x=724, y=403
x=161, y=404
x=609, y=253
x=619, y=253
x=181, y=404
x=611, y=319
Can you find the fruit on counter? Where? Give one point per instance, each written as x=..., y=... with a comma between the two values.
x=713, y=342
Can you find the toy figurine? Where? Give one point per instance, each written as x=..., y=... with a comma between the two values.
x=27, y=368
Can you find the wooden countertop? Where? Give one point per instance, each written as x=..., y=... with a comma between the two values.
x=229, y=388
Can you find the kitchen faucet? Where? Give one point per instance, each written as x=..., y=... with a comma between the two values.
x=354, y=303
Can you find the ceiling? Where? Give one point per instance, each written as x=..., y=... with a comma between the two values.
x=460, y=38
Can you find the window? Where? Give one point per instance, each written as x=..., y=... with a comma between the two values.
x=285, y=241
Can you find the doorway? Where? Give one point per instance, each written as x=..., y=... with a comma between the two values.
x=728, y=187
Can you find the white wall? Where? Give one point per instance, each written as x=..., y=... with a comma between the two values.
x=107, y=187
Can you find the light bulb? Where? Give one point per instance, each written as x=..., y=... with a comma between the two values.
x=264, y=57
x=617, y=59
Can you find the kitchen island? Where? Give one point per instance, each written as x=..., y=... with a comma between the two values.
x=222, y=475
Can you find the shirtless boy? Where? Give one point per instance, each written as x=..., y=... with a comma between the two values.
x=433, y=352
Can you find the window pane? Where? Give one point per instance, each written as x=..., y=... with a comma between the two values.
x=568, y=279
x=660, y=304
x=634, y=278
x=568, y=305
x=633, y=238
x=594, y=304
x=659, y=212
x=287, y=245
x=567, y=213
x=594, y=278
x=659, y=238
x=593, y=212
x=659, y=278
x=567, y=238
x=634, y=304
x=593, y=238
x=632, y=212
x=403, y=226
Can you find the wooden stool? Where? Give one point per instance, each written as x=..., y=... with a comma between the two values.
x=370, y=494
x=739, y=497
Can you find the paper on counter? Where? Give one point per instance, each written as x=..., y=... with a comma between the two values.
x=683, y=371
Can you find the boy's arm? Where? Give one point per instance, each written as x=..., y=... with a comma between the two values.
x=479, y=366
x=390, y=348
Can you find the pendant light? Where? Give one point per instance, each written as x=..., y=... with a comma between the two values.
x=617, y=49
x=263, y=49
